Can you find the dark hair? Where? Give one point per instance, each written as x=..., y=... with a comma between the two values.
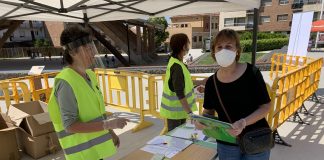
x=227, y=34
x=71, y=34
x=177, y=42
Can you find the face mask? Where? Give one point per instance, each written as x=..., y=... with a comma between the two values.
x=225, y=57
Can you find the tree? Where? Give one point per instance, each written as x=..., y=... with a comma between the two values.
x=160, y=35
x=38, y=43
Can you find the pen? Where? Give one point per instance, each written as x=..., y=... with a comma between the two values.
x=164, y=143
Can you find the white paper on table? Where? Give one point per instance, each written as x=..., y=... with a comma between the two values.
x=166, y=145
x=186, y=133
x=155, y=149
x=190, y=125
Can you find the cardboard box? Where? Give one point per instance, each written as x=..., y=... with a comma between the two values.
x=33, y=117
x=39, y=146
x=8, y=147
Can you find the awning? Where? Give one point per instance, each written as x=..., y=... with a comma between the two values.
x=318, y=26
x=107, y=10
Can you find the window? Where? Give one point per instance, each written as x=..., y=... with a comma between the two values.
x=200, y=38
x=239, y=21
x=283, y=2
x=194, y=39
x=216, y=25
x=21, y=33
x=316, y=16
x=266, y=2
x=229, y=22
x=182, y=25
x=234, y=22
x=212, y=27
x=265, y=19
x=186, y=25
x=283, y=17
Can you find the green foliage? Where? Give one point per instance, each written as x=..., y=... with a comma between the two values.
x=41, y=43
x=245, y=57
x=38, y=43
x=160, y=35
x=46, y=43
x=264, y=44
x=261, y=35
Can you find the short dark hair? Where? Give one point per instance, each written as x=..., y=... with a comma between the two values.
x=227, y=34
x=70, y=34
x=177, y=42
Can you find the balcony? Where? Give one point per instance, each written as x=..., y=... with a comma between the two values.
x=249, y=26
x=234, y=24
x=310, y=2
x=297, y=6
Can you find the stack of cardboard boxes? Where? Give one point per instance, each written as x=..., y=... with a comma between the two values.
x=34, y=130
x=8, y=146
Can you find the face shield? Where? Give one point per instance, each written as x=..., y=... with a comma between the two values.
x=86, y=52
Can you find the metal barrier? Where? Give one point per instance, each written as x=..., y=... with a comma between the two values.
x=283, y=63
x=287, y=96
x=155, y=94
x=14, y=91
x=141, y=92
x=36, y=88
x=290, y=90
x=313, y=74
x=128, y=86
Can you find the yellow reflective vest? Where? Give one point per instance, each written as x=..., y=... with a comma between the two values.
x=171, y=107
x=91, y=108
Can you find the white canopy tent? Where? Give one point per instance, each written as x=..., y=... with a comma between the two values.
x=107, y=10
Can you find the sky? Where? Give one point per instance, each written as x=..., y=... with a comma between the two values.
x=168, y=19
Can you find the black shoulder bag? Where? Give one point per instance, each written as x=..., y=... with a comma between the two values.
x=254, y=141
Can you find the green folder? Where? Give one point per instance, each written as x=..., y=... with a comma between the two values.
x=215, y=128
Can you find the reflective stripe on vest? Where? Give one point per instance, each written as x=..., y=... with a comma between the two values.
x=176, y=108
x=171, y=106
x=173, y=98
x=87, y=145
x=64, y=133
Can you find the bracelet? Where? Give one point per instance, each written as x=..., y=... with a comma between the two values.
x=244, y=122
x=104, y=126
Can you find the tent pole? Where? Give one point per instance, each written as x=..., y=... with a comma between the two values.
x=321, y=15
x=255, y=32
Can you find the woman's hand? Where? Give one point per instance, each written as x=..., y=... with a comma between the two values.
x=201, y=89
x=237, y=127
x=199, y=126
x=115, y=123
x=115, y=138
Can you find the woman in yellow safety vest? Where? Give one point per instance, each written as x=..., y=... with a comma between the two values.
x=76, y=105
x=178, y=98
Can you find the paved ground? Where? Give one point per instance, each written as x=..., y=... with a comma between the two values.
x=307, y=140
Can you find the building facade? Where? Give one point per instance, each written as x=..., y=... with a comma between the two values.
x=274, y=15
x=196, y=27
x=24, y=32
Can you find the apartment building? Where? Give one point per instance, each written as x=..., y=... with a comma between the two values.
x=23, y=32
x=239, y=21
x=196, y=27
x=274, y=15
x=311, y=5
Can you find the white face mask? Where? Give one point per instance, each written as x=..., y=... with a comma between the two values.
x=225, y=57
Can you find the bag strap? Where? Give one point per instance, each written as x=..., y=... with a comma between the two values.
x=219, y=98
